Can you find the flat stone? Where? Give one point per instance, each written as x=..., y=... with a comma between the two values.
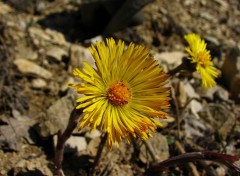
x=56, y=37
x=56, y=53
x=171, y=59
x=29, y=67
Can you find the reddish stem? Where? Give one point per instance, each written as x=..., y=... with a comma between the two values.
x=62, y=138
x=231, y=162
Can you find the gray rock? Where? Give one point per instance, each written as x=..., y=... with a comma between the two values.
x=57, y=116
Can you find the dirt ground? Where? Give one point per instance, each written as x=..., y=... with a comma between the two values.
x=41, y=41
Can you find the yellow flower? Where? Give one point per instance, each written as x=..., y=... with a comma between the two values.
x=201, y=57
x=123, y=93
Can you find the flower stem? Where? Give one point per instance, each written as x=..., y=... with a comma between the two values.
x=99, y=152
x=62, y=138
x=231, y=162
x=176, y=70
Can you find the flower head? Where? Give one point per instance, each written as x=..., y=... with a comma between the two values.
x=202, y=58
x=123, y=93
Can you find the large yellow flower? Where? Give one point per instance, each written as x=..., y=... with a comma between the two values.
x=201, y=57
x=123, y=93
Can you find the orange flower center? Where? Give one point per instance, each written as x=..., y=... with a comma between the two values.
x=119, y=94
x=203, y=59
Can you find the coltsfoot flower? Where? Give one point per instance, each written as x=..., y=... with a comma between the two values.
x=202, y=58
x=124, y=93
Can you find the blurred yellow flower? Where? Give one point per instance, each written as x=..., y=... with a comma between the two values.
x=201, y=57
x=123, y=93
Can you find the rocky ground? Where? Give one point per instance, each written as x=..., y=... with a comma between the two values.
x=41, y=41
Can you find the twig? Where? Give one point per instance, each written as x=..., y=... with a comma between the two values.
x=176, y=70
x=99, y=152
x=181, y=113
x=62, y=138
x=151, y=150
x=190, y=164
x=230, y=161
x=177, y=111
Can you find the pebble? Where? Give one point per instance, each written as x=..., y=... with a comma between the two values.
x=76, y=143
x=39, y=83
